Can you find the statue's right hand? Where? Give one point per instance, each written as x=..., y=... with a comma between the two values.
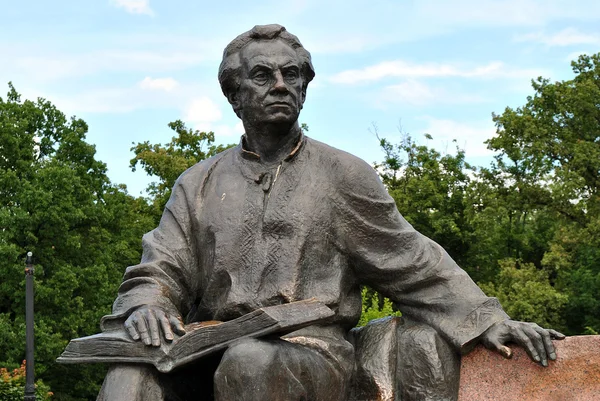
x=147, y=322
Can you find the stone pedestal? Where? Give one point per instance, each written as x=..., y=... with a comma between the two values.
x=574, y=376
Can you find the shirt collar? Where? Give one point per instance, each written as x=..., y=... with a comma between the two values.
x=248, y=154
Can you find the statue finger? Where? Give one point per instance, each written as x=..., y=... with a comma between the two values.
x=177, y=325
x=547, y=339
x=556, y=335
x=153, y=327
x=496, y=345
x=538, y=342
x=523, y=340
x=142, y=328
x=131, y=330
x=165, y=325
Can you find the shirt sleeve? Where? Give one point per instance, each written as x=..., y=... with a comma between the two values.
x=389, y=255
x=165, y=275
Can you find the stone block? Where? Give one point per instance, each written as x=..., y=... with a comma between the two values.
x=574, y=376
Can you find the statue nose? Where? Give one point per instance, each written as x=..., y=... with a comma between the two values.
x=279, y=82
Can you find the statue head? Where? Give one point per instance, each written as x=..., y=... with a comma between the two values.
x=275, y=66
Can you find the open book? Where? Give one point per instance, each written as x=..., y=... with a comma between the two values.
x=199, y=340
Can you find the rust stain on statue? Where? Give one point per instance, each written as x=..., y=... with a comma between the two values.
x=197, y=325
x=384, y=390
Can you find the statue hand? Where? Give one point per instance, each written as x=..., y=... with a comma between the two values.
x=144, y=324
x=536, y=340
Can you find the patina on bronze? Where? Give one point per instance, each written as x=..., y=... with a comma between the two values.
x=283, y=217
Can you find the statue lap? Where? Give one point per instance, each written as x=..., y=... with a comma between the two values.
x=395, y=360
x=250, y=370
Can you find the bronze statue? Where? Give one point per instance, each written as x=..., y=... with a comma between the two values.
x=281, y=218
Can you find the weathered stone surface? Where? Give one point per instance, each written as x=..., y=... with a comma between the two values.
x=574, y=376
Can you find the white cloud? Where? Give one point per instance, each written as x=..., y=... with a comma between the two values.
x=418, y=93
x=109, y=52
x=52, y=67
x=566, y=37
x=228, y=130
x=134, y=6
x=165, y=84
x=469, y=137
x=409, y=21
x=349, y=42
x=202, y=110
x=127, y=99
x=220, y=130
x=105, y=100
x=575, y=55
x=411, y=92
x=467, y=13
x=204, y=115
x=404, y=69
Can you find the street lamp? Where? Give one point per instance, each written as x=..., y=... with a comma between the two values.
x=29, y=367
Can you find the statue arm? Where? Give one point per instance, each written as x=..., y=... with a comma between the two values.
x=389, y=255
x=158, y=291
x=418, y=274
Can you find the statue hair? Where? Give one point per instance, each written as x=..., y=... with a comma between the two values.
x=229, y=70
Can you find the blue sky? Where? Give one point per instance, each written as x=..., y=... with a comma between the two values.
x=128, y=67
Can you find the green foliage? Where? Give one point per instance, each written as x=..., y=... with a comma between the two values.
x=505, y=224
x=56, y=201
x=550, y=149
x=167, y=162
x=374, y=306
x=574, y=260
x=12, y=385
x=429, y=191
x=553, y=140
x=527, y=294
x=528, y=225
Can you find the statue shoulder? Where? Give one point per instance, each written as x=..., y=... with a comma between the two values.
x=196, y=174
x=345, y=169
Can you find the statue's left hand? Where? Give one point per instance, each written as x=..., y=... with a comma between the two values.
x=536, y=340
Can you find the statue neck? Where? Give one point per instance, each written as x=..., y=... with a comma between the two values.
x=272, y=143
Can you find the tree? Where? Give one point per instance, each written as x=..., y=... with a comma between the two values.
x=56, y=201
x=430, y=191
x=167, y=162
x=554, y=139
x=527, y=294
x=12, y=386
x=549, y=150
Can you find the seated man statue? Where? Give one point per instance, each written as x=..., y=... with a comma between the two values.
x=280, y=218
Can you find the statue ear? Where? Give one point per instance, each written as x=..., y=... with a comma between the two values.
x=233, y=99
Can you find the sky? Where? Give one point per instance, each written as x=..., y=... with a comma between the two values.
x=129, y=67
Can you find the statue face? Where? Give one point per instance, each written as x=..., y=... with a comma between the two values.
x=271, y=84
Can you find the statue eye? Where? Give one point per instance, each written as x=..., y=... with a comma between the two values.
x=260, y=77
x=291, y=76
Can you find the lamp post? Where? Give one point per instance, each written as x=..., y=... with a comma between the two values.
x=29, y=366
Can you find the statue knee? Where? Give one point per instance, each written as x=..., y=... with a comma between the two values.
x=245, y=371
x=249, y=356
x=131, y=382
x=428, y=366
